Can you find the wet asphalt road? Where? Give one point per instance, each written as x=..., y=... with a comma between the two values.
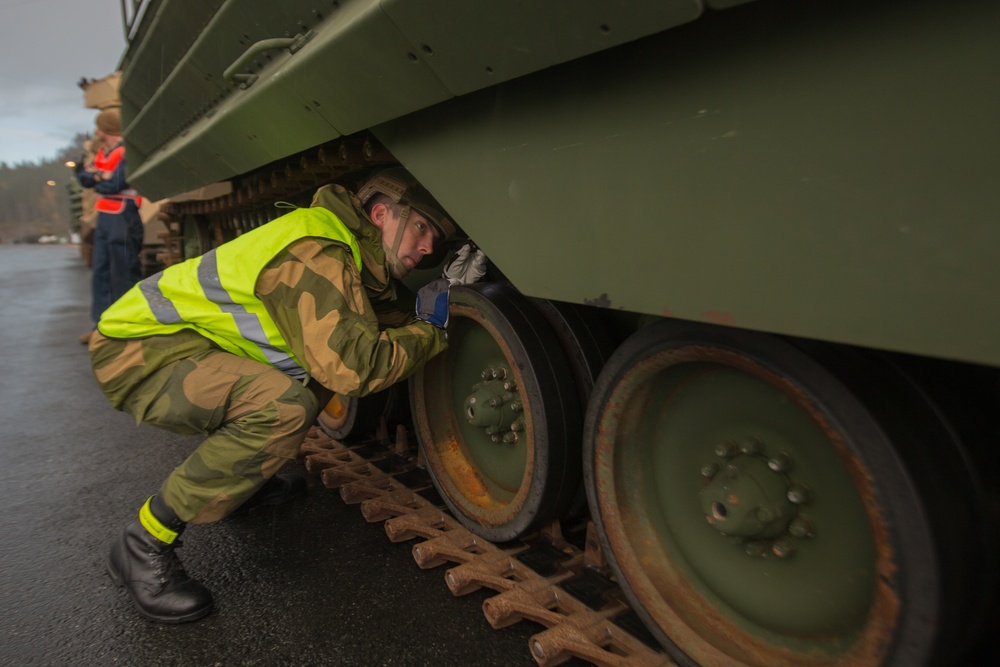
x=310, y=583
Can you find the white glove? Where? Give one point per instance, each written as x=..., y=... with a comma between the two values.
x=466, y=267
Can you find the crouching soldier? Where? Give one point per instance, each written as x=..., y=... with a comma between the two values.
x=245, y=343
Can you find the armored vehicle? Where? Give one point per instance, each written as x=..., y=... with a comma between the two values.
x=741, y=308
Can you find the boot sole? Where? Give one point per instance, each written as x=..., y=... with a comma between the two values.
x=119, y=581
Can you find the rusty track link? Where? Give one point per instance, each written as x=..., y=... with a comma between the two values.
x=546, y=578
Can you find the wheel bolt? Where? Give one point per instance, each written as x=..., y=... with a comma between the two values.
x=510, y=437
x=515, y=406
x=501, y=373
x=488, y=374
x=726, y=450
x=798, y=494
x=800, y=526
x=709, y=470
x=496, y=437
x=509, y=385
x=517, y=426
x=782, y=548
x=750, y=445
x=780, y=462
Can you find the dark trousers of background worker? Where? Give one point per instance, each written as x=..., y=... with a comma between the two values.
x=116, y=263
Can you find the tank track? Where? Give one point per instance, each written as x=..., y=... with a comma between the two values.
x=553, y=578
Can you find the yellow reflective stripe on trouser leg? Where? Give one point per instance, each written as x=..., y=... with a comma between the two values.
x=153, y=525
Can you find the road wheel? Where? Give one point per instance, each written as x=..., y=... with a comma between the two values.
x=497, y=415
x=756, y=510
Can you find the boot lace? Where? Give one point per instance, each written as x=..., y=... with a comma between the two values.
x=168, y=565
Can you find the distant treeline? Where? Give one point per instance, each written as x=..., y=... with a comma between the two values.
x=34, y=198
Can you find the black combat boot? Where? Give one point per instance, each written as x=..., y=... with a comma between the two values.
x=277, y=490
x=143, y=560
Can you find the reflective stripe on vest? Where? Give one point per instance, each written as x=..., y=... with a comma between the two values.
x=214, y=294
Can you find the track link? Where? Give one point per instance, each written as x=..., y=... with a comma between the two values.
x=556, y=581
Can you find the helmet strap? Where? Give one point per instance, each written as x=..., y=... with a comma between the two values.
x=404, y=216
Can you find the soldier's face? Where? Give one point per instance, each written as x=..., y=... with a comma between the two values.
x=419, y=236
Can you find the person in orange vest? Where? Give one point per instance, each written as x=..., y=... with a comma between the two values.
x=118, y=234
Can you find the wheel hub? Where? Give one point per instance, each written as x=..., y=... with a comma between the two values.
x=495, y=406
x=750, y=495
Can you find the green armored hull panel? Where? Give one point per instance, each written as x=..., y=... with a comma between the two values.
x=830, y=175
x=825, y=171
x=251, y=81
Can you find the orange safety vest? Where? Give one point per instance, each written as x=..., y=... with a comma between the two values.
x=109, y=162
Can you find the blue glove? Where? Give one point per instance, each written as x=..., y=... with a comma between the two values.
x=432, y=303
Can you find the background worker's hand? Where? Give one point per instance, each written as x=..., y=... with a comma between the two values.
x=467, y=266
x=432, y=303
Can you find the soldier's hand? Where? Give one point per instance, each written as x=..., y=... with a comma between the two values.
x=467, y=266
x=432, y=303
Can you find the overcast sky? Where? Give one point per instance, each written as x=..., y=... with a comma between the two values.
x=46, y=47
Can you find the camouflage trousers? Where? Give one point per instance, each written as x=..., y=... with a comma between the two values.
x=255, y=417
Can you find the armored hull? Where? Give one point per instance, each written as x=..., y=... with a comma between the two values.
x=741, y=306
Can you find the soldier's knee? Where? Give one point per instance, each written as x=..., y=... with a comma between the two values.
x=291, y=407
x=300, y=395
x=294, y=414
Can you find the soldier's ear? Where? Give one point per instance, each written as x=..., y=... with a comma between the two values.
x=379, y=213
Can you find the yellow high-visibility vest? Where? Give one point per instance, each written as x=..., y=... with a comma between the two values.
x=214, y=294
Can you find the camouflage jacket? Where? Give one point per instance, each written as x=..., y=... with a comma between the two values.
x=343, y=327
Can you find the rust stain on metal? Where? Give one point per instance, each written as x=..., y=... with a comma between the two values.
x=718, y=317
x=465, y=477
x=335, y=408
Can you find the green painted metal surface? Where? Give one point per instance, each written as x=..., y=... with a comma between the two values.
x=368, y=62
x=826, y=170
x=474, y=45
x=821, y=169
